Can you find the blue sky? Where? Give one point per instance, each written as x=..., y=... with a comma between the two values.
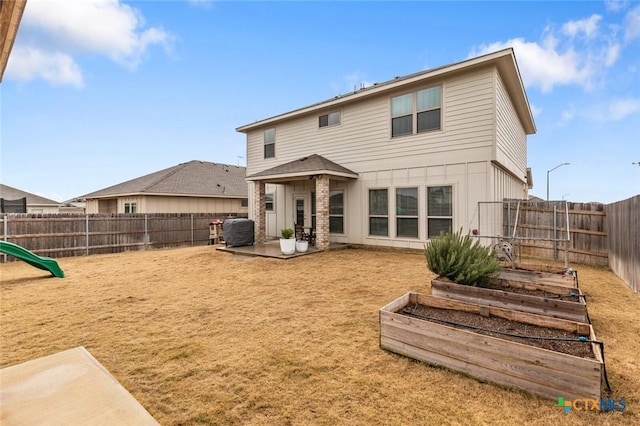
x=98, y=92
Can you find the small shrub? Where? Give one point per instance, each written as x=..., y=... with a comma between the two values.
x=286, y=233
x=460, y=259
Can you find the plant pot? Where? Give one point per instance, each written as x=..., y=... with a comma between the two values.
x=287, y=246
x=505, y=295
x=302, y=246
x=541, y=371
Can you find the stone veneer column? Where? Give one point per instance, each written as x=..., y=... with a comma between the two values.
x=322, y=212
x=259, y=212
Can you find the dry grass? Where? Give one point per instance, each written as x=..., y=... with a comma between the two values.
x=203, y=337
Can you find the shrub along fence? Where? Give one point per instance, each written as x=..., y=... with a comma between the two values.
x=65, y=235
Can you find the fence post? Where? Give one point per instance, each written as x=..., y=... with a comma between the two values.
x=566, y=249
x=6, y=226
x=555, y=233
x=146, y=231
x=86, y=228
x=192, y=230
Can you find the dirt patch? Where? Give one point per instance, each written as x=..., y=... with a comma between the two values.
x=569, y=297
x=542, y=337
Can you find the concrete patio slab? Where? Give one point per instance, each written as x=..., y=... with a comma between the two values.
x=67, y=388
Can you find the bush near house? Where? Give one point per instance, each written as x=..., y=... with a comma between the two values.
x=458, y=258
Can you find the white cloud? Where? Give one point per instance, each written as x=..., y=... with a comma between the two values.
x=616, y=5
x=542, y=65
x=536, y=111
x=56, y=68
x=73, y=27
x=587, y=26
x=632, y=24
x=578, y=53
x=622, y=108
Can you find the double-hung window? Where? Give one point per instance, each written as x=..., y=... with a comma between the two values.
x=130, y=207
x=269, y=138
x=407, y=212
x=336, y=211
x=332, y=119
x=423, y=107
x=379, y=212
x=439, y=210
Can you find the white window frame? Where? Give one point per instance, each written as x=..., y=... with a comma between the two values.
x=399, y=216
x=331, y=119
x=369, y=215
x=453, y=197
x=414, y=112
x=269, y=141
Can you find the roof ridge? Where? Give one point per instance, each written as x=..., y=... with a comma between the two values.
x=172, y=171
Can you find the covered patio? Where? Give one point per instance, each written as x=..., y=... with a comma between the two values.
x=299, y=172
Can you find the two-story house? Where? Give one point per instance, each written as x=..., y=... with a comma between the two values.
x=395, y=163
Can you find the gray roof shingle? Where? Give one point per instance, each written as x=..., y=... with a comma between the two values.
x=312, y=164
x=10, y=193
x=194, y=178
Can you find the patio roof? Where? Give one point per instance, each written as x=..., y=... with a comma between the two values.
x=306, y=166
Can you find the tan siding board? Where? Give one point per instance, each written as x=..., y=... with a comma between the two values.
x=364, y=135
x=510, y=136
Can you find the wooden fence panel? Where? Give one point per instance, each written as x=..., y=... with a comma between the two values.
x=67, y=234
x=623, y=225
x=587, y=235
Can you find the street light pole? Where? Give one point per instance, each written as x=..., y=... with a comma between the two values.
x=549, y=171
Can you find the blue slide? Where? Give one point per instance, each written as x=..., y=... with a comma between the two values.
x=40, y=262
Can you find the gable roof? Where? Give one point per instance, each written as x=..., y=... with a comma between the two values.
x=194, y=178
x=306, y=166
x=10, y=17
x=10, y=193
x=504, y=60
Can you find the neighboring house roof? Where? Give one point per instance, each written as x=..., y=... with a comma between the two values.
x=195, y=178
x=10, y=17
x=305, y=166
x=10, y=193
x=504, y=59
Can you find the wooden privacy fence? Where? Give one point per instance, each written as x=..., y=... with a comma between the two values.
x=623, y=225
x=586, y=227
x=65, y=235
x=574, y=232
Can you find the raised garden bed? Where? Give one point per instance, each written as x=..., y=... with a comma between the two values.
x=536, y=298
x=429, y=329
x=551, y=276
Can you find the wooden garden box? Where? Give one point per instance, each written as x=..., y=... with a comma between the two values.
x=503, y=298
x=541, y=371
x=535, y=276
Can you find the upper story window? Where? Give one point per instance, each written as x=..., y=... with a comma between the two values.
x=423, y=107
x=326, y=120
x=269, y=143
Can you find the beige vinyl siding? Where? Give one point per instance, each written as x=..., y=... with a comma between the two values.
x=363, y=138
x=167, y=204
x=506, y=186
x=511, y=146
x=161, y=204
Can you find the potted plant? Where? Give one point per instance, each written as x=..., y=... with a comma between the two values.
x=287, y=242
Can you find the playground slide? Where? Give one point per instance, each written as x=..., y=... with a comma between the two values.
x=40, y=262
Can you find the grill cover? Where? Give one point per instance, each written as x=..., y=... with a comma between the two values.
x=237, y=232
